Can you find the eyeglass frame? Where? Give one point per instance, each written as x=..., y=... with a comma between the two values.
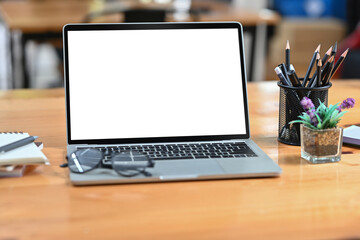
x=101, y=164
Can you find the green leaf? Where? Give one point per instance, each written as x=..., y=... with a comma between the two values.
x=341, y=114
x=335, y=118
x=329, y=113
x=305, y=117
x=297, y=121
x=310, y=125
x=319, y=125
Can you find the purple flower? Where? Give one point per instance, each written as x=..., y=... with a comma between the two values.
x=309, y=108
x=307, y=103
x=311, y=113
x=347, y=103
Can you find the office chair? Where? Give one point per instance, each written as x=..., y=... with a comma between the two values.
x=130, y=15
x=144, y=15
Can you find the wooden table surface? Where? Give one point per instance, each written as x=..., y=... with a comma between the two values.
x=306, y=202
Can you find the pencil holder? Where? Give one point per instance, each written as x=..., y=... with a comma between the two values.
x=290, y=108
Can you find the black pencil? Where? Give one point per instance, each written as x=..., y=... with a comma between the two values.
x=318, y=80
x=287, y=55
x=313, y=80
x=327, y=54
x=339, y=62
x=310, y=66
x=328, y=74
x=333, y=52
x=326, y=71
x=331, y=68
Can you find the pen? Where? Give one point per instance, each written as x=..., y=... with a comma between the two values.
x=17, y=144
x=292, y=67
x=285, y=72
x=294, y=79
x=281, y=76
x=292, y=94
x=295, y=82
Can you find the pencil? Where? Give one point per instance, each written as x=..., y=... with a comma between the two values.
x=313, y=80
x=325, y=67
x=310, y=66
x=327, y=54
x=328, y=74
x=333, y=52
x=319, y=64
x=331, y=68
x=287, y=55
x=326, y=71
x=339, y=62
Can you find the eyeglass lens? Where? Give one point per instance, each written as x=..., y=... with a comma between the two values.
x=84, y=160
x=130, y=163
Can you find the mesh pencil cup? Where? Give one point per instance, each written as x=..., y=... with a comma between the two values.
x=290, y=108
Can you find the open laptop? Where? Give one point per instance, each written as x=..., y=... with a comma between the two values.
x=161, y=86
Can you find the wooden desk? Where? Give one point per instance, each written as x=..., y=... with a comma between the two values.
x=305, y=202
x=44, y=19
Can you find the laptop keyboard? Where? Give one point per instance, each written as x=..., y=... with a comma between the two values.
x=184, y=151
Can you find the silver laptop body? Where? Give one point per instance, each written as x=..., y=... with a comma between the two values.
x=155, y=84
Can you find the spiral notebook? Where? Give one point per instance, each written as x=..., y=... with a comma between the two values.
x=28, y=154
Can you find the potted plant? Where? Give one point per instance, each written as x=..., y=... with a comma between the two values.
x=321, y=138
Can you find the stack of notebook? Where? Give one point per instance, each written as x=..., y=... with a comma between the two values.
x=14, y=162
x=352, y=135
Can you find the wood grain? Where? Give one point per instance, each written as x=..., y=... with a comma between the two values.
x=305, y=202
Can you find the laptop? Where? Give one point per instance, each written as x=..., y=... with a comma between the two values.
x=175, y=87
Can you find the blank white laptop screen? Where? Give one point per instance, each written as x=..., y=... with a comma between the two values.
x=155, y=83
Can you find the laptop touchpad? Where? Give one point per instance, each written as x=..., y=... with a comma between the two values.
x=186, y=169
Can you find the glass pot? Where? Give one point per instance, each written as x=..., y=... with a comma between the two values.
x=321, y=146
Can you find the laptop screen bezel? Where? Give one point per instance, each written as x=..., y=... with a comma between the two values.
x=157, y=26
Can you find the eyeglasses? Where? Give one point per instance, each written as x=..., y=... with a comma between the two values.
x=127, y=164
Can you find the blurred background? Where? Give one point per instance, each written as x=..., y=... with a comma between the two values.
x=31, y=44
